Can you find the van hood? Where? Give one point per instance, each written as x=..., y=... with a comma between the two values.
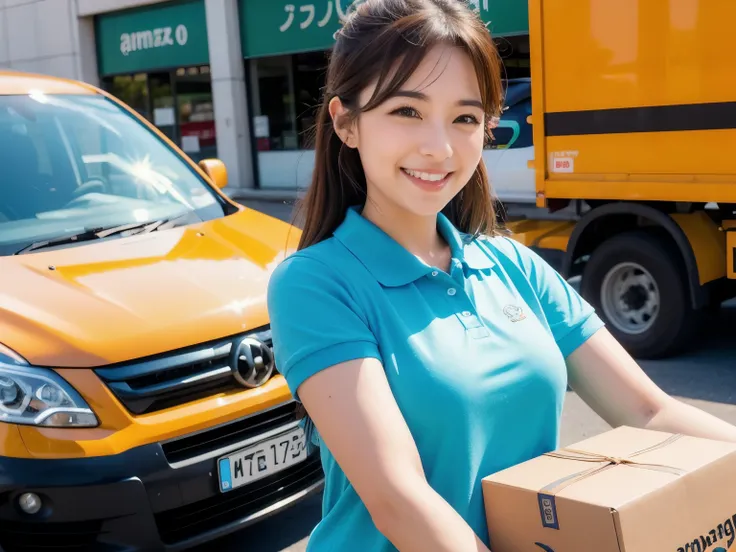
x=99, y=303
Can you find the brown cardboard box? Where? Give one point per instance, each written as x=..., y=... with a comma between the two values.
x=626, y=490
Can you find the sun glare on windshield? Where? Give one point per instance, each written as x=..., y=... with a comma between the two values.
x=84, y=162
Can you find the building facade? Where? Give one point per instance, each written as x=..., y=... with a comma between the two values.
x=234, y=79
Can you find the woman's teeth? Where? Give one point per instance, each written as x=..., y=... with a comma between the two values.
x=429, y=177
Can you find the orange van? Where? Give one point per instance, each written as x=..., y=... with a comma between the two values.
x=140, y=408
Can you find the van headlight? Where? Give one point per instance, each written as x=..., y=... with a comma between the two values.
x=39, y=396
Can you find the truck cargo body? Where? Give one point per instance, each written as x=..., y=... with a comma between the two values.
x=634, y=127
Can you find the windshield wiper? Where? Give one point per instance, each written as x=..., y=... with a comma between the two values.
x=84, y=235
x=136, y=228
x=89, y=234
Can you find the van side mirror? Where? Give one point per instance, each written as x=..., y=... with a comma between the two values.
x=215, y=170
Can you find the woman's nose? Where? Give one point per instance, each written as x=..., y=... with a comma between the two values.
x=435, y=142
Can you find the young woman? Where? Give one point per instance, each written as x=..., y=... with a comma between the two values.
x=428, y=349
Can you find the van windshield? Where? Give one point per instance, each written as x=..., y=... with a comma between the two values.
x=71, y=163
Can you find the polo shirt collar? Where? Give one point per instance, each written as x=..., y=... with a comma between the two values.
x=389, y=262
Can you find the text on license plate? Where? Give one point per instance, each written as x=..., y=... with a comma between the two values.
x=262, y=459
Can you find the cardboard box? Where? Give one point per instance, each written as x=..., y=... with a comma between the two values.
x=626, y=490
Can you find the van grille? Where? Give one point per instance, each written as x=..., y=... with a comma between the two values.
x=209, y=514
x=177, y=377
x=213, y=441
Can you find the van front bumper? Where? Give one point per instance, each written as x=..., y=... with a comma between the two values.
x=137, y=501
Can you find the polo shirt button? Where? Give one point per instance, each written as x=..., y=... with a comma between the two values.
x=435, y=273
x=451, y=291
x=466, y=314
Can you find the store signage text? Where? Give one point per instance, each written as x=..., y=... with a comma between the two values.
x=308, y=14
x=154, y=38
x=282, y=27
x=477, y=4
x=160, y=37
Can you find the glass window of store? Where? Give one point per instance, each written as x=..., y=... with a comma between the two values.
x=156, y=59
x=285, y=45
x=285, y=95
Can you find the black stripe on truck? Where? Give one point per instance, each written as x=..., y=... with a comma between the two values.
x=660, y=118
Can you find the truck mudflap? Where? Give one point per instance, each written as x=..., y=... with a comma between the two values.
x=548, y=238
x=542, y=234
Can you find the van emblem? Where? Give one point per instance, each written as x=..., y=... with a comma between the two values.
x=252, y=362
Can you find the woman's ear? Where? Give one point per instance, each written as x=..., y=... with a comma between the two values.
x=344, y=127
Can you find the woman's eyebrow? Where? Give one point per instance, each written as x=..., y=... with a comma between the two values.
x=471, y=103
x=424, y=98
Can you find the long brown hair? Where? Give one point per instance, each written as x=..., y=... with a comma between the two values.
x=376, y=36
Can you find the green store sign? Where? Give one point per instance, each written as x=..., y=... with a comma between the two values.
x=273, y=27
x=159, y=37
x=504, y=17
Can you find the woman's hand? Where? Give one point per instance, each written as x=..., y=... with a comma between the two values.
x=605, y=376
x=357, y=417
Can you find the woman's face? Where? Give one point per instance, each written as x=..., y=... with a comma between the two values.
x=420, y=147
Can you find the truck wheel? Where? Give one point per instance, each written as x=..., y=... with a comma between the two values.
x=637, y=285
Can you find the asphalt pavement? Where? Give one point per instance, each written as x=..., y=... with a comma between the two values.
x=704, y=377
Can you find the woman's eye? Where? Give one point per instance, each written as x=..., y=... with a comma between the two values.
x=468, y=119
x=406, y=112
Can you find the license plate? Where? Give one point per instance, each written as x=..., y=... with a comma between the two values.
x=262, y=459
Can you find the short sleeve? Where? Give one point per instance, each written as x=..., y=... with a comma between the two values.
x=314, y=320
x=571, y=319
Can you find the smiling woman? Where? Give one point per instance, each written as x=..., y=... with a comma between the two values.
x=398, y=196
x=436, y=351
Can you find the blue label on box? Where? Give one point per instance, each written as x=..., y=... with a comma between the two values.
x=548, y=511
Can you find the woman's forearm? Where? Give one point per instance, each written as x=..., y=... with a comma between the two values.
x=678, y=417
x=421, y=519
x=613, y=384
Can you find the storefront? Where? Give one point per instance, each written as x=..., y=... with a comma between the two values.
x=156, y=59
x=285, y=45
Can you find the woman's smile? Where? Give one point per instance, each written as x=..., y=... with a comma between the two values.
x=427, y=180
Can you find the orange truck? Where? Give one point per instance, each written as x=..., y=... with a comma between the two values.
x=140, y=408
x=634, y=129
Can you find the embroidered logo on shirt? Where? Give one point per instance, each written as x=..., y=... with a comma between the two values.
x=515, y=314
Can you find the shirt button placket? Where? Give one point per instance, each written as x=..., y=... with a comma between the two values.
x=473, y=325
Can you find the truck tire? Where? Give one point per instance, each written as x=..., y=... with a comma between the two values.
x=636, y=282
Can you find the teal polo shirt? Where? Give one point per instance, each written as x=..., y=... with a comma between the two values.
x=475, y=357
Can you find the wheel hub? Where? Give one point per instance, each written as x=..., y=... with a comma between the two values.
x=630, y=298
x=635, y=297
